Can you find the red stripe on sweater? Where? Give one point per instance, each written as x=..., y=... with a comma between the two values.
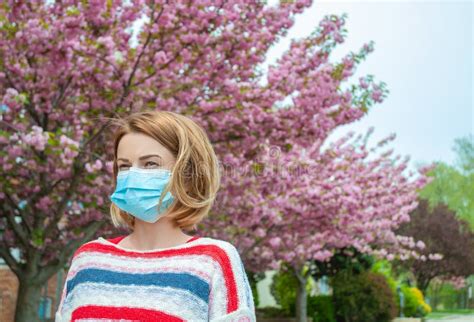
x=117, y=240
x=110, y=312
x=216, y=252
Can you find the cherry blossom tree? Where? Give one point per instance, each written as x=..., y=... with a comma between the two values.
x=68, y=67
x=305, y=204
x=290, y=199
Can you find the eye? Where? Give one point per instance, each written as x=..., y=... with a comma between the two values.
x=122, y=166
x=150, y=162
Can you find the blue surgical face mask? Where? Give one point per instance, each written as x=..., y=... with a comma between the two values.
x=139, y=190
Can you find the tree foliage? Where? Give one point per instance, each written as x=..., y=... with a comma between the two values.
x=453, y=184
x=445, y=234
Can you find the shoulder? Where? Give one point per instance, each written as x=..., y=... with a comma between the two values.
x=221, y=246
x=224, y=253
x=86, y=247
x=218, y=242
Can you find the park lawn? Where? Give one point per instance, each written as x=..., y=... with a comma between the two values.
x=443, y=314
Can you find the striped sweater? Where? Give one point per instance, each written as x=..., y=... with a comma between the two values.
x=203, y=279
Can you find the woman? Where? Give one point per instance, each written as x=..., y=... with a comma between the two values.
x=166, y=177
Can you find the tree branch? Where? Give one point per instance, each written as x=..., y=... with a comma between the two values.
x=47, y=271
x=73, y=183
x=17, y=228
x=9, y=259
x=20, y=211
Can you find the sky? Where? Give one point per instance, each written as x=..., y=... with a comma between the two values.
x=423, y=51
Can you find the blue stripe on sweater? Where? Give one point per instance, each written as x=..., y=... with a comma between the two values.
x=184, y=281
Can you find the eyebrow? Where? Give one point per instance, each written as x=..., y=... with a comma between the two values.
x=142, y=157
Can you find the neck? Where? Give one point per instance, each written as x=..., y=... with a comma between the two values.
x=160, y=234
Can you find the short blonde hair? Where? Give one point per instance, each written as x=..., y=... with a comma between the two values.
x=196, y=176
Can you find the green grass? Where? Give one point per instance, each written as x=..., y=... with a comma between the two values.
x=442, y=314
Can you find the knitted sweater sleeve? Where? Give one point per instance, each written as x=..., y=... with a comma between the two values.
x=231, y=298
x=60, y=314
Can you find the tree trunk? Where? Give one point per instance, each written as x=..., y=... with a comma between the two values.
x=422, y=283
x=301, y=303
x=28, y=301
x=301, y=296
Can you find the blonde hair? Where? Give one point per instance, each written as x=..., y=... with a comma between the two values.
x=196, y=178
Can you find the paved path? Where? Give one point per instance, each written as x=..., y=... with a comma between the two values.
x=454, y=318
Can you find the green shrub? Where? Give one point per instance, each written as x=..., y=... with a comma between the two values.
x=366, y=297
x=283, y=289
x=384, y=267
x=415, y=305
x=254, y=278
x=321, y=308
x=271, y=312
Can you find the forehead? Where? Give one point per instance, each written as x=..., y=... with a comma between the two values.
x=134, y=145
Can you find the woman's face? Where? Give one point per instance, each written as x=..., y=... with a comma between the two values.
x=141, y=151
